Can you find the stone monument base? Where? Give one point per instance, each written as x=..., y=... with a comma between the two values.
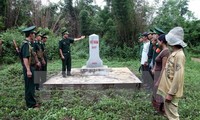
x=116, y=77
x=97, y=71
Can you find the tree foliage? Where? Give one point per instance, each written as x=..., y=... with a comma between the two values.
x=175, y=13
x=119, y=22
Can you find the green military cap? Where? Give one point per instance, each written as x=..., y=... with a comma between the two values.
x=152, y=31
x=29, y=29
x=38, y=34
x=159, y=31
x=65, y=32
x=44, y=35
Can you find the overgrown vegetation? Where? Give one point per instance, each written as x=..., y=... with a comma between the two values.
x=84, y=104
x=118, y=25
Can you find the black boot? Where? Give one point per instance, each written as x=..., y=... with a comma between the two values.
x=69, y=73
x=64, y=74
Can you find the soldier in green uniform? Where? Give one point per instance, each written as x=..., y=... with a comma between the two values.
x=44, y=52
x=40, y=56
x=28, y=63
x=154, y=48
x=65, y=53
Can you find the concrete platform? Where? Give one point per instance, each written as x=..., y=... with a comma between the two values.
x=115, y=76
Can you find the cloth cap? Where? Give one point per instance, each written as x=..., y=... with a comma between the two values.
x=175, y=37
x=145, y=34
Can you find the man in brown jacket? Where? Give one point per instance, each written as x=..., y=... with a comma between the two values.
x=172, y=79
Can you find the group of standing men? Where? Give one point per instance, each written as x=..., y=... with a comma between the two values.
x=34, y=61
x=163, y=68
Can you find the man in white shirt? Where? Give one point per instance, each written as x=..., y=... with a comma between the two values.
x=146, y=43
x=146, y=76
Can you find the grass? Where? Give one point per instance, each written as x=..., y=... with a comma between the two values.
x=87, y=104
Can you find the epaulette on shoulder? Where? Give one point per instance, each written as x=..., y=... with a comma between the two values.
x=26, y=42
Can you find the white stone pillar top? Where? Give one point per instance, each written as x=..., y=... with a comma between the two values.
x=94, y=58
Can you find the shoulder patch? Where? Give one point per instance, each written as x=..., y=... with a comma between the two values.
x=178, y=67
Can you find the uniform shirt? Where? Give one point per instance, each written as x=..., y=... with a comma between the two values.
x=38, y=49
x=145, y=52
x=26, y=52
x=172, y=79
x=64, y=45
x=150, y=53
x=43, y=47
x=32, y=43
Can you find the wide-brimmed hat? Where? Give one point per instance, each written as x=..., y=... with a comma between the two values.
x=175, y=37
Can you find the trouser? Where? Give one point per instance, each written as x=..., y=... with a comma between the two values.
x=66, y=62
x=171, y=110
x=40, y=75
x=147, y=77
x=29, y=88
x=44, y=72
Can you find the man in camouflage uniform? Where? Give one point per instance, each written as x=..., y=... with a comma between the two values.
x=28, y=63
